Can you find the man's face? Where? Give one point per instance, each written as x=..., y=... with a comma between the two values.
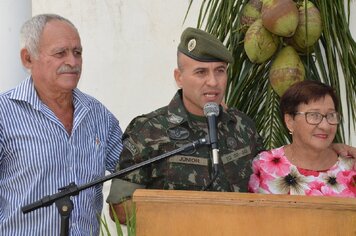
x=201, y=82
x=58, y=66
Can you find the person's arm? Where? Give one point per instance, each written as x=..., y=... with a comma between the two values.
x=114, y=144
x=344, y=150
x=134, y=151
x=119, y=197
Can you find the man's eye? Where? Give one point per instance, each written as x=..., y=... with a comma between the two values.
x=78, y=53
x=59, y=54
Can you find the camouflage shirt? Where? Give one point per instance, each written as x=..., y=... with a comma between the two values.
x=171, y=127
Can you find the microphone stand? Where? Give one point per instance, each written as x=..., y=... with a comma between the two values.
x=215, y=175
x=65, y=204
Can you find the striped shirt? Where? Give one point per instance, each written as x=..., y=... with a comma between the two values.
x=38, y=156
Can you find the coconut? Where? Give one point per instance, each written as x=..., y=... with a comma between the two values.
x=280, y=16
x=259, y=43
x=286, y=69
x=309, y=26
x=305, y=51
x=250, y=13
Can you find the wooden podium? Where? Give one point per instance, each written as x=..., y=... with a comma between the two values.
x=186, y=213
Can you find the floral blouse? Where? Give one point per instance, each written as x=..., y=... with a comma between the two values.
x=274, y=174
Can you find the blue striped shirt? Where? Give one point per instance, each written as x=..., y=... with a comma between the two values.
x=38, y=156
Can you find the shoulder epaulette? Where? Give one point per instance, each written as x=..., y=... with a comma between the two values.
x=140, y=121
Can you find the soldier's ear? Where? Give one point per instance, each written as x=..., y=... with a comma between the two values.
x=178, y=77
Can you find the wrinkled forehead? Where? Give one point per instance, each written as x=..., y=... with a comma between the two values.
x=60, y=34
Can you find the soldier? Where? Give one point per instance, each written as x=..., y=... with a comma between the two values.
x=202, y=77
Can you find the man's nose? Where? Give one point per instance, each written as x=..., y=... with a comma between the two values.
x=212, y=80
x=73, y=60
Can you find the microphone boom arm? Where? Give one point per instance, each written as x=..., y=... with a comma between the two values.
x=72, y=189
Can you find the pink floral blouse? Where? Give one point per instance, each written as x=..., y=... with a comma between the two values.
x=274, y=174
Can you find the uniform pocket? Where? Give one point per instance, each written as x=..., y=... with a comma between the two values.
x=185, y=172
x=237, y=166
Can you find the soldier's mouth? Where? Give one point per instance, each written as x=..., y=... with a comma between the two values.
x=211, y=95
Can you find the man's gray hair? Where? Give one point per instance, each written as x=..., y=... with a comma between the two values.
x=32, y=29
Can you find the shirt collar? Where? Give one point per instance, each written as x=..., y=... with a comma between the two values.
x=177, y=114
x=26, y=92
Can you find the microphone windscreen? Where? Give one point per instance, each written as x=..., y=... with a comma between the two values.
x=211, y=109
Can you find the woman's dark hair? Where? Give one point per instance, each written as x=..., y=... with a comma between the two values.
x=304, y=92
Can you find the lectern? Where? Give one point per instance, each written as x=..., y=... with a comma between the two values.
x=185, y=213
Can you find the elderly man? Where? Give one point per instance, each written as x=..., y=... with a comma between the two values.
x=52, y=134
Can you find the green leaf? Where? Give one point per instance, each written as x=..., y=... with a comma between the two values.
x=248, y=87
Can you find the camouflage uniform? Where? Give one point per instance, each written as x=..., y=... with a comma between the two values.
x=169, y=128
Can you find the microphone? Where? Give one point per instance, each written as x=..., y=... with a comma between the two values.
x=211, y=111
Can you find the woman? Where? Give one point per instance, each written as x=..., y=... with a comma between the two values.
x=307, y=166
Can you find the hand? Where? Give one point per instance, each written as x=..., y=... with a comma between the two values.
x=120, y=211
x=344, y=150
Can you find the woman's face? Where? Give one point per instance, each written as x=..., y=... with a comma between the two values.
x=313, y=136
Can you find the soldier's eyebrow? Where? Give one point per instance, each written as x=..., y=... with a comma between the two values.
x=200, y=68
x=221, y=67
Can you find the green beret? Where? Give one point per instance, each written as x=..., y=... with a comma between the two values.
x=202, y=46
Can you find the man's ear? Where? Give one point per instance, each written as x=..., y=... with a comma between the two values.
x=26, y=58
x=178, y=77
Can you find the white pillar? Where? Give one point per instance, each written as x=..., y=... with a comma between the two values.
x=13, y=15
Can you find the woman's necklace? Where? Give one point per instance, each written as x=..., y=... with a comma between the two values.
x=318, y=164
x=291, y=156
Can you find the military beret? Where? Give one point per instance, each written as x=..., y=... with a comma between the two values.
x=202, y=46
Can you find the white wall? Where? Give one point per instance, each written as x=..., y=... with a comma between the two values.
x=13, y=15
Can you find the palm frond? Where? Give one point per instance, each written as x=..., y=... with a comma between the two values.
x=248, y=87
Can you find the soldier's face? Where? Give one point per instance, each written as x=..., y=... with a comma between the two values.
x=201, y=82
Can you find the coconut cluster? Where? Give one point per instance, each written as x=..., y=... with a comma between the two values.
x=284, y=28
